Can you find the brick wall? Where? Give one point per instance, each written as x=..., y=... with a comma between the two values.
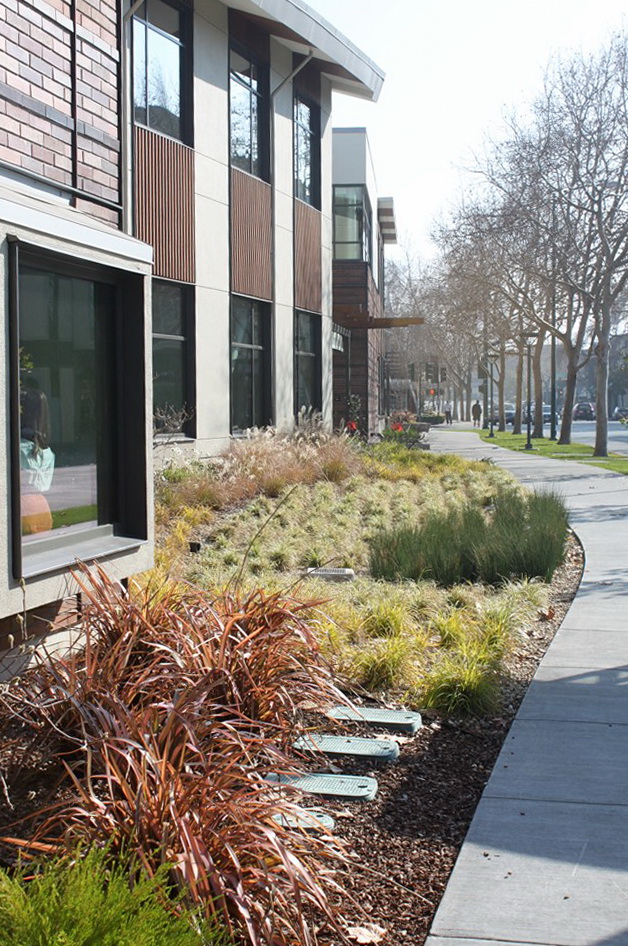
x=59, y=93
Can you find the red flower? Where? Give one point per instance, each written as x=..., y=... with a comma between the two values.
x=352, y=426
x=396, y=426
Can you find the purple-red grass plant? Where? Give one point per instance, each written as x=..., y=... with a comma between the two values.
x=165, y=725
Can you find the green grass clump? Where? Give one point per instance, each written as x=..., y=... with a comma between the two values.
x=516, y=536
x=461, y=684
x=91, y=902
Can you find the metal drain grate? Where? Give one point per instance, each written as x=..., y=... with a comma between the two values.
x=311, y=820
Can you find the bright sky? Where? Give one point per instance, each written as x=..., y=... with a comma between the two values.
x=453, y=68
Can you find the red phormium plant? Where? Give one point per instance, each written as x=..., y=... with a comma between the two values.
x=165, y=725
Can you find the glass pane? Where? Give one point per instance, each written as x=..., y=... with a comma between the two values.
x=65, y=391
x=303, y=165
x=242, y=388
x=348, y=251
x=243, y=68
x=168, y=374
x=139, y=71
x=241, y=144
x=241, y=327
x=303, y=115
x=167, y=309
x=306, y=332
x=259, y=417
x=164, y=84
x=306, y=382
x=255, y=155
x=164, y=17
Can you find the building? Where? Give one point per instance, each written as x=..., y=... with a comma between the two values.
x=166, y=231
x=363, y=225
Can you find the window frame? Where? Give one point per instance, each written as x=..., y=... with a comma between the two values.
x=262, y=97
x=364, y=218
x=188, y=339
x=186, y=72
x=128, y=525
x=266, y=348
x=315, y=355
x=314, y=135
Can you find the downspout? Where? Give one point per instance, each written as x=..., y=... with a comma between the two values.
x=126, y=163
x=273, y=187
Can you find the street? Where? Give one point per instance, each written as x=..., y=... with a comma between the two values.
x=583, y=431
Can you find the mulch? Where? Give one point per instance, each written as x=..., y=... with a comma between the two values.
x=404, y=843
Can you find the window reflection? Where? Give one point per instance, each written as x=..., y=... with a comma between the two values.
x=249, y=365
x=308, y=367
x=65, y=334
x=157, y=67
x=248, y=109
x=306, y=152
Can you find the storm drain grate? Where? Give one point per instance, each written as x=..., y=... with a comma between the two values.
x=348, y=745
x=356, y=787
x=331, y=574
x=311, y=820
x=394, y=720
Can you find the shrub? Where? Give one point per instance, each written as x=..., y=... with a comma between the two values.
x=90, y=901
x=461, y=684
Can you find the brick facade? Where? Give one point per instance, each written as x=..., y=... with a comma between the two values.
x=59, y=90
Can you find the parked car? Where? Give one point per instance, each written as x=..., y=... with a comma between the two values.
x=619, y=412
x=584, y=410
x=509, y=413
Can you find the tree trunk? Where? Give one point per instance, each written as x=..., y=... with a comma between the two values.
x=538, y=386
x=516, y=424
x=601, y=385
x=570, y=395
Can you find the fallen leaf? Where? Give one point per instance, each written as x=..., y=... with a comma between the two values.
x=369, y=933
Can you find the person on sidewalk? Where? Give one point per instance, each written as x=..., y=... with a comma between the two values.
x=447, y=407
x=476, y=414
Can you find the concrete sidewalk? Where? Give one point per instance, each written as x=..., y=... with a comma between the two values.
x=545, y=861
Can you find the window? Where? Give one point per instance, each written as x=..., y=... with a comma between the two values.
x=78, y=412
x=158, y=68
x=307, y=362
x=352, y=224
x=248, y=93
x=173, y=396
x=307, y=151
x=250, y=364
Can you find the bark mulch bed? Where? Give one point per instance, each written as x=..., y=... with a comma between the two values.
x=405, y=842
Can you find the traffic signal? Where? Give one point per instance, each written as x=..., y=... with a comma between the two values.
x=431, y=371
x=432, y=391
x=443, y=374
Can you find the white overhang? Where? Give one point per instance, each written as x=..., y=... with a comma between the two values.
x=386, y=219
x=51, y=219
x=302, y=29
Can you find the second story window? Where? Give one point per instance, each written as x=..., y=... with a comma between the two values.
x=248, y=92
x=307, y=171
x=352, y=224
x=158, y=68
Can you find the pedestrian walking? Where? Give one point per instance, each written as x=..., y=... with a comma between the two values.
x=447, y=407
x=476, y=413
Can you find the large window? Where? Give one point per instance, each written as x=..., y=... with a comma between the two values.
x=307, y=170
x=173, y=397
x=250, y=364
x=159, y=77
x=352, y=224
x=248, y=91
x=307, y=337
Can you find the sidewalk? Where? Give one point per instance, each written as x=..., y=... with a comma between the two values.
x=545, y=861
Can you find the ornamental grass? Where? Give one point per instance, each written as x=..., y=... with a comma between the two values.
x=162, y=729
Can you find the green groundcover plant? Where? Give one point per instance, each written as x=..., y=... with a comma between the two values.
x=514, y=536
x=90, y=901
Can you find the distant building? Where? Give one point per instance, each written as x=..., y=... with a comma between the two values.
x=363, y=225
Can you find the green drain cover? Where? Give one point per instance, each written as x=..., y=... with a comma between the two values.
x=307, y=819
x=348, y=745
x=395, y=720
x=338, y=786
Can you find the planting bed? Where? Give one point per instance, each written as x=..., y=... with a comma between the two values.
x=404, y=842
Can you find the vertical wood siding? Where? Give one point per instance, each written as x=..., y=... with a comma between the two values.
x=308, y=292
x=251, y=212
x=164, y=203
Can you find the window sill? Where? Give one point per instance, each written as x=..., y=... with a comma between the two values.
x=45, y=556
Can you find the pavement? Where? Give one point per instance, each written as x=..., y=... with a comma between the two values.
x=545, y=861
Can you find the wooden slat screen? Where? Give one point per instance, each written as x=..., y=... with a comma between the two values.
x=308, y=292
x=251, y=222
x=164, y=203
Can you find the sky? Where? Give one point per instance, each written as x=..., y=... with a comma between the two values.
x=454, y=70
